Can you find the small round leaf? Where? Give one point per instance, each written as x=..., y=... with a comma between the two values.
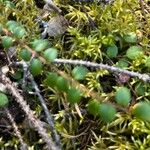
x=73, y=96
x=93, y=107
x=36, y=67
x=107, y=112
x=12, y=25
x=3, y=100
x=7, y=41
x=79, y=72
x=147, y=63
x=19, y=32
x=1, y=27
x=130, y=37
x=50, y=54
x=25, y=54
x=62, y=84
x=133, y=52
x=51, y=79
x=112, y=51
x=122, y=64
x=140, y=89
x=123, y=96
x=9, y=4
x=141, y=110
x=40, y=45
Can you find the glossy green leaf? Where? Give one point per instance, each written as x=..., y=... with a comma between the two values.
x=147, y=63
x=112, y=51
x=107, y=112
x=123, y=96
x=19, y=32
x=79, y=72
x=25, y=54
x=36, y=67
x=40, y=44
x=140, y=89
x=17, y=75
x=62, y=84
x=7, y=41
x=50, y=54
x=1, y=27
x=130, y=37
x=3, y=100
x=122, y=64
x=141, y=110
x=93, y=107
x=51, y=79
x=133, y=52
x=9, y=4
x=12, y=25
x=73, y=96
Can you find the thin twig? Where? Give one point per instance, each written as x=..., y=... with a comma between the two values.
x=16, y=130
x=49, y=117
x=29, y=113
x=144, y=77
x=81, y=87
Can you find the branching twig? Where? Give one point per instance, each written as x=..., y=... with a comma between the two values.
x=144, y=77
x=49, y=117
x=33, y=119
x=16, y=130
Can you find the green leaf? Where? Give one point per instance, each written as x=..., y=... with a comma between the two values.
x=9, y=4
x=140, y=89
x=79, y=72
x=112, y=51
x=50, y=54
x=93, y=107
x=147, y=63
x=7, y=41
x=17, y=75
x=12, y=25
x=122, y=64
x=19, y=32
x=40, y=45
x=3, y=100
x=51, y=79
x=36, y=67
x=25, y=54
x=107, y=112
x=130, y=37
x=1, y=27
x=123, y=96
x=62, y=84
x=141, y=110
x=73, y=96
x=133, y=52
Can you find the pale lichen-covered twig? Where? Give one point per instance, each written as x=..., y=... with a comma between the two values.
x=33, y=119
x=49, y=117
x=144, y=77
x=16, y=130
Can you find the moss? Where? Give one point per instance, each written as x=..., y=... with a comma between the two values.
x=92, y=28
